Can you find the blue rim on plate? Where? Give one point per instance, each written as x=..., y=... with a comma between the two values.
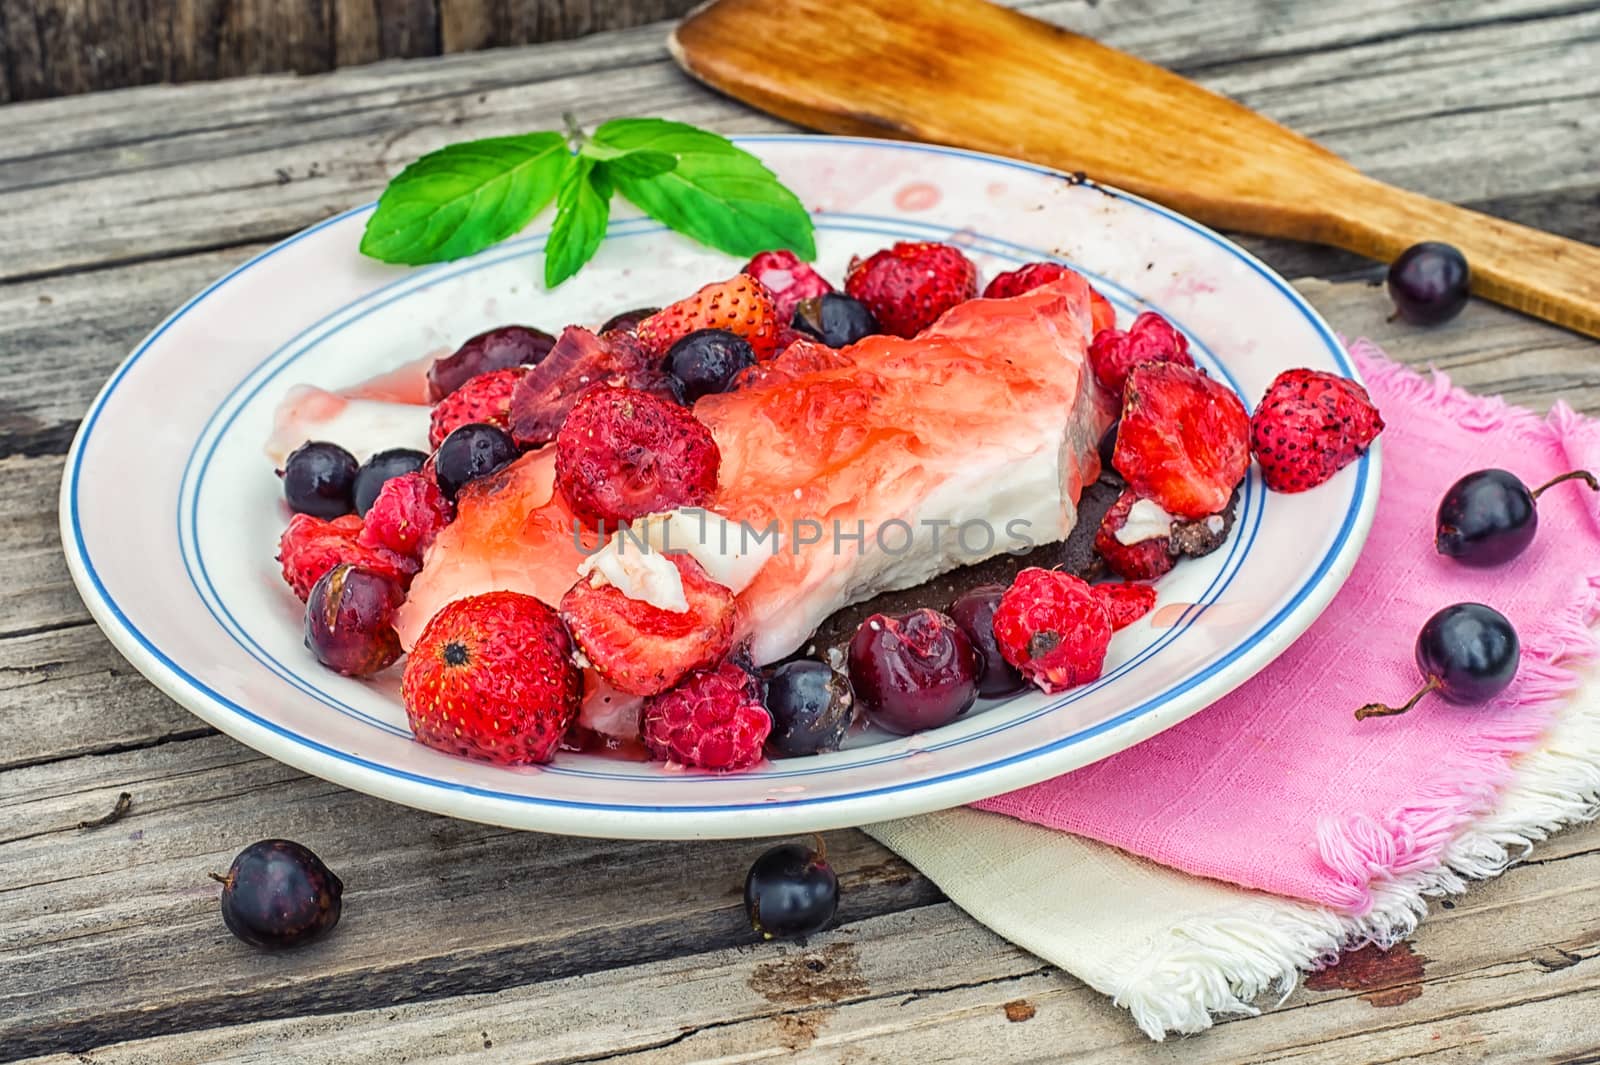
x=182, y=684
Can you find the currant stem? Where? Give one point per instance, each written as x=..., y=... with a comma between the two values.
x=1583, y=475
x=821, y=848
x=218, y=877
x=1380, y=710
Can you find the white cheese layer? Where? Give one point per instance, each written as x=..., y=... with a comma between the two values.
x=362, y=427
x=1146, y=521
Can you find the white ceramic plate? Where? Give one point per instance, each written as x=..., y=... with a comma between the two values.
x=170, y=514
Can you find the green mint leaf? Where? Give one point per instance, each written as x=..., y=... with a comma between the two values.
x=641, y=164
x=733, y=204
x=718, y=193
x=657, y=134
x=463, y=198
x=583, y=207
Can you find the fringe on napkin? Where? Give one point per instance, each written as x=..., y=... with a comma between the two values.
x=1219, y=956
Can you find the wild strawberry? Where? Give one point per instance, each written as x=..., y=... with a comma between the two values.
x=788, y=279
x=1029, y=277
x=485, y=398
x=1151, y=338
x=712, y=720
x=1125, y=603
x=1053, y=628
x=1309, y=426
x=310, y=547
x=740, y=305
x=492, y=678
x=623, y=454
x=909, y=285
x=1142, y=561
x=642, y=649
x=1184, y=440
x=579, y=361
x=408, y=513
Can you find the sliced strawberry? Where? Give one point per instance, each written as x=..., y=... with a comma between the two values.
x=740, y=305
x=1142, y=561
x=485, y=398
x=579, y=361
x=1309, y=426
x=642, y=649
x=310, y=547
x=1184, y=439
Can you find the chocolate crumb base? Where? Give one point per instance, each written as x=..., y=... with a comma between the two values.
x=1074, y=555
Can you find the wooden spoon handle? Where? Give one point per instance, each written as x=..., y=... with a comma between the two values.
x=1526, y=269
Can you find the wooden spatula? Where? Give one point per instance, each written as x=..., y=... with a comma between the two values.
x=975, y=75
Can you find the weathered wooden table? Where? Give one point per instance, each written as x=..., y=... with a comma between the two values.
x=467, y=942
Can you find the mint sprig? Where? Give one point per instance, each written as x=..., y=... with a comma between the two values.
x=464, y=198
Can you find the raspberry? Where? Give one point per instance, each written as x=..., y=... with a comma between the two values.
x=485, y=398
x=1142, y=561
x=623, y=454
x=310, y=547
x=740, y=305
x=492, y=678
x=1151, y=338
x=908, y=286
x=789, y=280
x=578, y=362
x=1309, y=426
x=1125, y=603
x=712, y=720
x=408, y=513
x=1184, y=439
x=1029, y=277
x=1053, y=628
x=642, y=649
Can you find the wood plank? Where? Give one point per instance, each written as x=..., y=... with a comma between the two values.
x=180, y=169
x=107, y=933
x=59, y=47
x=929, y=985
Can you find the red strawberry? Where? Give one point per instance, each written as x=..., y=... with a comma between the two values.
x=1142, y=561
x=712, y=720
x=485, y=398
x=1184, y=440
x=740, y=305
x=1029, y=277
x=579, y=361
x=909, y=285
x=1151, y=338
x=788, y=279
x=408, y=513
x=623, y=454
x=492, y=678
x=310, y=547
x=1053, y=628
x=1125, y=603
x=641, y=649
x=1309, y=426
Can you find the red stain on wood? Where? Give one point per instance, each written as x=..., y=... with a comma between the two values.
x=1385, y=977
x=1019, y=1010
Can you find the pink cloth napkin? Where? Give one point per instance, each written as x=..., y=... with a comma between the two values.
x=1277, y=786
